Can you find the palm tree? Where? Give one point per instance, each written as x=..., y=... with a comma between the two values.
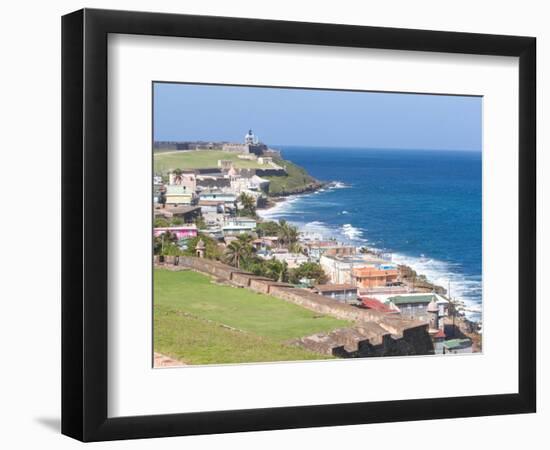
x=177, y=176
x=248, y=204
x=287, y=234
x=277, y=270
x=238, y=250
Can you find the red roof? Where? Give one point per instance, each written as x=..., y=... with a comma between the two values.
x=372, y=303
x=440, y=334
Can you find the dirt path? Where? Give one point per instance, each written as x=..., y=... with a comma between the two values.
x=165, y=361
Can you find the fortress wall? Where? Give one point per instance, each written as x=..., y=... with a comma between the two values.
x=375, y=333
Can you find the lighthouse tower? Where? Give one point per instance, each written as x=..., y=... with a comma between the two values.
x=250, y=139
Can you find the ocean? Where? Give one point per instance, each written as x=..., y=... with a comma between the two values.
x=422, y=206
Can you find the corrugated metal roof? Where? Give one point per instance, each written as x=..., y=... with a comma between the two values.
x=411, y=299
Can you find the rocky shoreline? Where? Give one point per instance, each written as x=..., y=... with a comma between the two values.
x=419, y=282
x=274, y=199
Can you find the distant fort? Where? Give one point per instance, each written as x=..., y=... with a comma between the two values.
x=251, y=145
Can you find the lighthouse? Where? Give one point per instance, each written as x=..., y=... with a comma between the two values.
x=250, y=139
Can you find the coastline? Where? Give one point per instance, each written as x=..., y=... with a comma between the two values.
x=422, y=283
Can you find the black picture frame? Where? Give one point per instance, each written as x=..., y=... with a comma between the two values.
x=84, y=224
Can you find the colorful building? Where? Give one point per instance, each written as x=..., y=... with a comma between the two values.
x=377, y=276
x=237, y=225
x=455, y=346
x=377, y=305
x=339, y=268
x=415, y=306
x=181, y=232
x=346, y=293
x=179, y=195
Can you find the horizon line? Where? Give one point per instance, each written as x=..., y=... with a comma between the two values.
x=350, y=147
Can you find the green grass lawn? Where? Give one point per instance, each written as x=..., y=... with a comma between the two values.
x=196, y=341
x=191, y=311
x=198, y=159
x=296, y=180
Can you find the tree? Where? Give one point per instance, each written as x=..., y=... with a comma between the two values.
x=211, y=251
x=277, y=270
x=165, y=244
x=268, y=228
x=238, y=250
x=287, y=234
x=161, y=222
x=248, y=205
x=177, y=176
x=310, y=271
x=200, y=223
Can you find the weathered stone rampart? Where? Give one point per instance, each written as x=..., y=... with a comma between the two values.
x=374, y=333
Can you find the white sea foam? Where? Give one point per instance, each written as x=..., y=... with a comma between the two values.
x=351, y=232
x=462, y=287
x=339, y=185
x=279, y=210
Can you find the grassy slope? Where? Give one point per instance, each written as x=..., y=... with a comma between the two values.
x=196, y=341
x=296, y=181
x=190, y=309
x=198, y=159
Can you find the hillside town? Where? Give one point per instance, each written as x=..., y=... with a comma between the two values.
x=206, y=219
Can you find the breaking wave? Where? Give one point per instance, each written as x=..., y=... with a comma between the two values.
x=296, y=210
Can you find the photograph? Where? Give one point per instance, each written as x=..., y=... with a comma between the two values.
x=298, y=224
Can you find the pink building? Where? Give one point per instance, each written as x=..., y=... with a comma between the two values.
x=181, y=232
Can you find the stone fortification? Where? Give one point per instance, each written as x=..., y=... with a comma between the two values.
x=374, y=333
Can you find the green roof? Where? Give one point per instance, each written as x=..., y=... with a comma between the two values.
x=455, y=344
x=407, y=299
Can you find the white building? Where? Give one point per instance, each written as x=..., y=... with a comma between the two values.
x=339, y=268
x=293, y=260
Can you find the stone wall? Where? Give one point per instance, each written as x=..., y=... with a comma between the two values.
x=373, y=333
x=393, y=324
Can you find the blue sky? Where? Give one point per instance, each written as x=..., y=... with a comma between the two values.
x=316, y=117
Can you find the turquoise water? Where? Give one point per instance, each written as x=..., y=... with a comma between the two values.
x=422, y=206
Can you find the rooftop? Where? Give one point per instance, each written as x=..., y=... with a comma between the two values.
x=356, y=259
x=334, y=287
x=406, y=299
x=373, y=272
x=372, y=303
x=456, y=344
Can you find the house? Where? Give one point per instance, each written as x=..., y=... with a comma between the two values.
x=237, y=225
x=181, y=232
x=212, y=206
x=265, y=242
x=179, y=195
x=377, y=276
x=187, y=180
x=228, y=198
x=339, y=268
x=456, y=346
x=212, y=182
x=293, y=260
x=185, y=212
x=377, y=305
x=414, y=306
x=346, y=293
x=317, y=248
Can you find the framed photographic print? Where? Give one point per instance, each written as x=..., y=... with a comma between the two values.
x=273, y=224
